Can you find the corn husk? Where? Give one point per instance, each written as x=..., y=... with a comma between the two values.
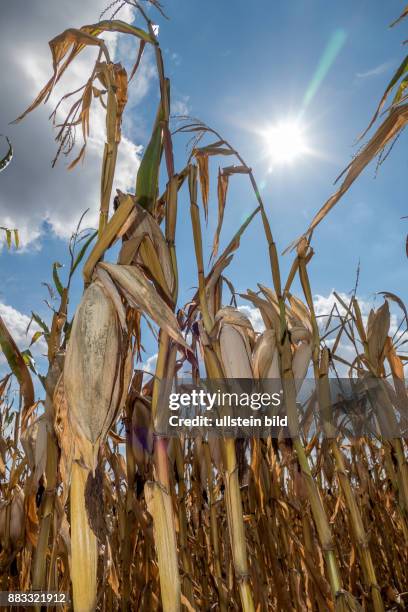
x=12, y=511
x=34, y=442
x=378, y=327
x=302, y=339
x=140, y=294
x=228, y=314
x=142, y=433
x=96, y=372
x=145, y=245
x=263, y=353
x=234, y=343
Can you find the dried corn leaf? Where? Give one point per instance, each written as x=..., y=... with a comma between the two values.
x=17, y=365
x=202, y=161
x=222, y=189
x=144, y=226
x=142, y=295
x=401, y=17
x=399, y=73
x=377, y=332
x=75, y=40
x=390, y=128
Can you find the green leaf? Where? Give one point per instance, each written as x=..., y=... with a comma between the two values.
x=36, y=337
x=9, y=418
x=8, y=238
x=16, y=238
x=400, y=91
x=29, y=360
x=400, y=72
x=56, y=278
x=148, y=173
x=40, y=322
x=82, y=252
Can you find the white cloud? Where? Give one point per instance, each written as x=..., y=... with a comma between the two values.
x=17, y=323
x=376, y=71
x=323, y=308
x=324, y=304
x=180, y=106
x=150, y=364
x=32, y=192
x=345, y=348
x=254, y=316
x=175, y=57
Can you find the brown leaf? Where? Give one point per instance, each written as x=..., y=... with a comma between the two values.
x=17, y=366
x=392, y=125
x=141, y=295
x=377, y=332
x=202, y=161
x=63, y=431
x=401, y=17
x=113, y=579
x=139, y=57
x=222, y=198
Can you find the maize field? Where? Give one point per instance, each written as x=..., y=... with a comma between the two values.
x=92, y=502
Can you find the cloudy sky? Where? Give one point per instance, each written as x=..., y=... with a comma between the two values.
x=241, y=70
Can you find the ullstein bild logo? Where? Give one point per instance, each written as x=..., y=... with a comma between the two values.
x=228, y=421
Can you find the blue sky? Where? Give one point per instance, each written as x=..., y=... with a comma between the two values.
x=239, y=67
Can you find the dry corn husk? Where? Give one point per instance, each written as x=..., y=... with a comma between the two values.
x=302, y=339
x=264, y=353
x=235, y=353
x=228, y=314
x=378, y=327
x=140, y=294
x=268, y=313
x=212, y=281
x=142, y=432
x=300, y=311
x=145, y=245
x=12, y=511
x=345, y=602
x=34, y=442
x=96, y=372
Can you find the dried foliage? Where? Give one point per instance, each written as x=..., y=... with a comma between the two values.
x=93, y=503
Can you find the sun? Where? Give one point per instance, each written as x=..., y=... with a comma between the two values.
x=285, y=142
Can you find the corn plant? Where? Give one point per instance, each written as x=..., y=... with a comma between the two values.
x=94, y=501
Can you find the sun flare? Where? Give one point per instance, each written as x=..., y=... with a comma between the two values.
x=285, y=142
